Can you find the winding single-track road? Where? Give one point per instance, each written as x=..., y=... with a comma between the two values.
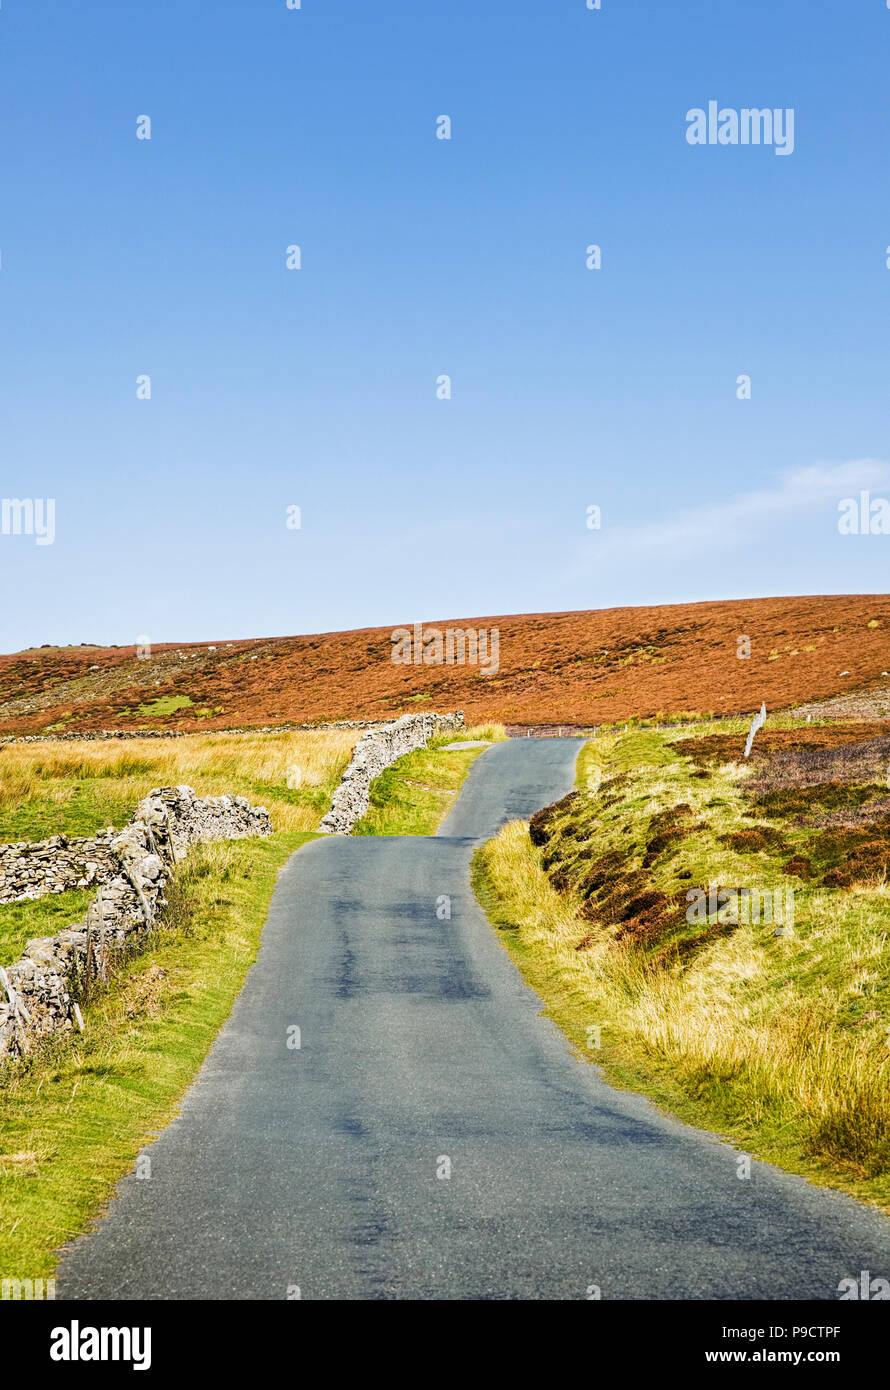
x=321, y=1168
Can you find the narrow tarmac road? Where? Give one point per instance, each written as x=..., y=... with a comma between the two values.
x=323, y=1168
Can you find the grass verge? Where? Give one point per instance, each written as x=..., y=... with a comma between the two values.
x=73, y=1119
x=779, y=1043
x=414, y=795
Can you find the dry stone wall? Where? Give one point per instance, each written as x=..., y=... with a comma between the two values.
x=378, y=749
x=30, y=870
x=38, y=994
x=99, y=735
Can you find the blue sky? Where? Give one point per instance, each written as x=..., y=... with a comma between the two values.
x=420, y=257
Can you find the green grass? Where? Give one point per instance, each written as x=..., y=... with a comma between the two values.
x=414, y=795
x=73, y=1119
x=780, y=1044
x=20, y=922
x=160, y=708
x=70, y=808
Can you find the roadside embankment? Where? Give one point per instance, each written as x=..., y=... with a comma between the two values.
x=714, y=933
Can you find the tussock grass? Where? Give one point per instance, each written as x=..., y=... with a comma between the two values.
x=780, y=1043
x=78, y=788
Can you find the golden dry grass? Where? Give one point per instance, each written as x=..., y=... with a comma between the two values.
x=77, y=787
x=781, y=1043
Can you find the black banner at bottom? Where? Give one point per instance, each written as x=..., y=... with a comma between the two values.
x=63, y=1339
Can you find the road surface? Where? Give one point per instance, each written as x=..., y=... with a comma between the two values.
x=324, y=1168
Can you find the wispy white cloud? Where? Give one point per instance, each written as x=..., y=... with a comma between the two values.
x=722, y=524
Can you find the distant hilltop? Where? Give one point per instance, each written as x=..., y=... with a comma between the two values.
x=583, y=669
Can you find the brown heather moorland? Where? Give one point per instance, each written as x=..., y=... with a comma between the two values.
x=581, y=669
